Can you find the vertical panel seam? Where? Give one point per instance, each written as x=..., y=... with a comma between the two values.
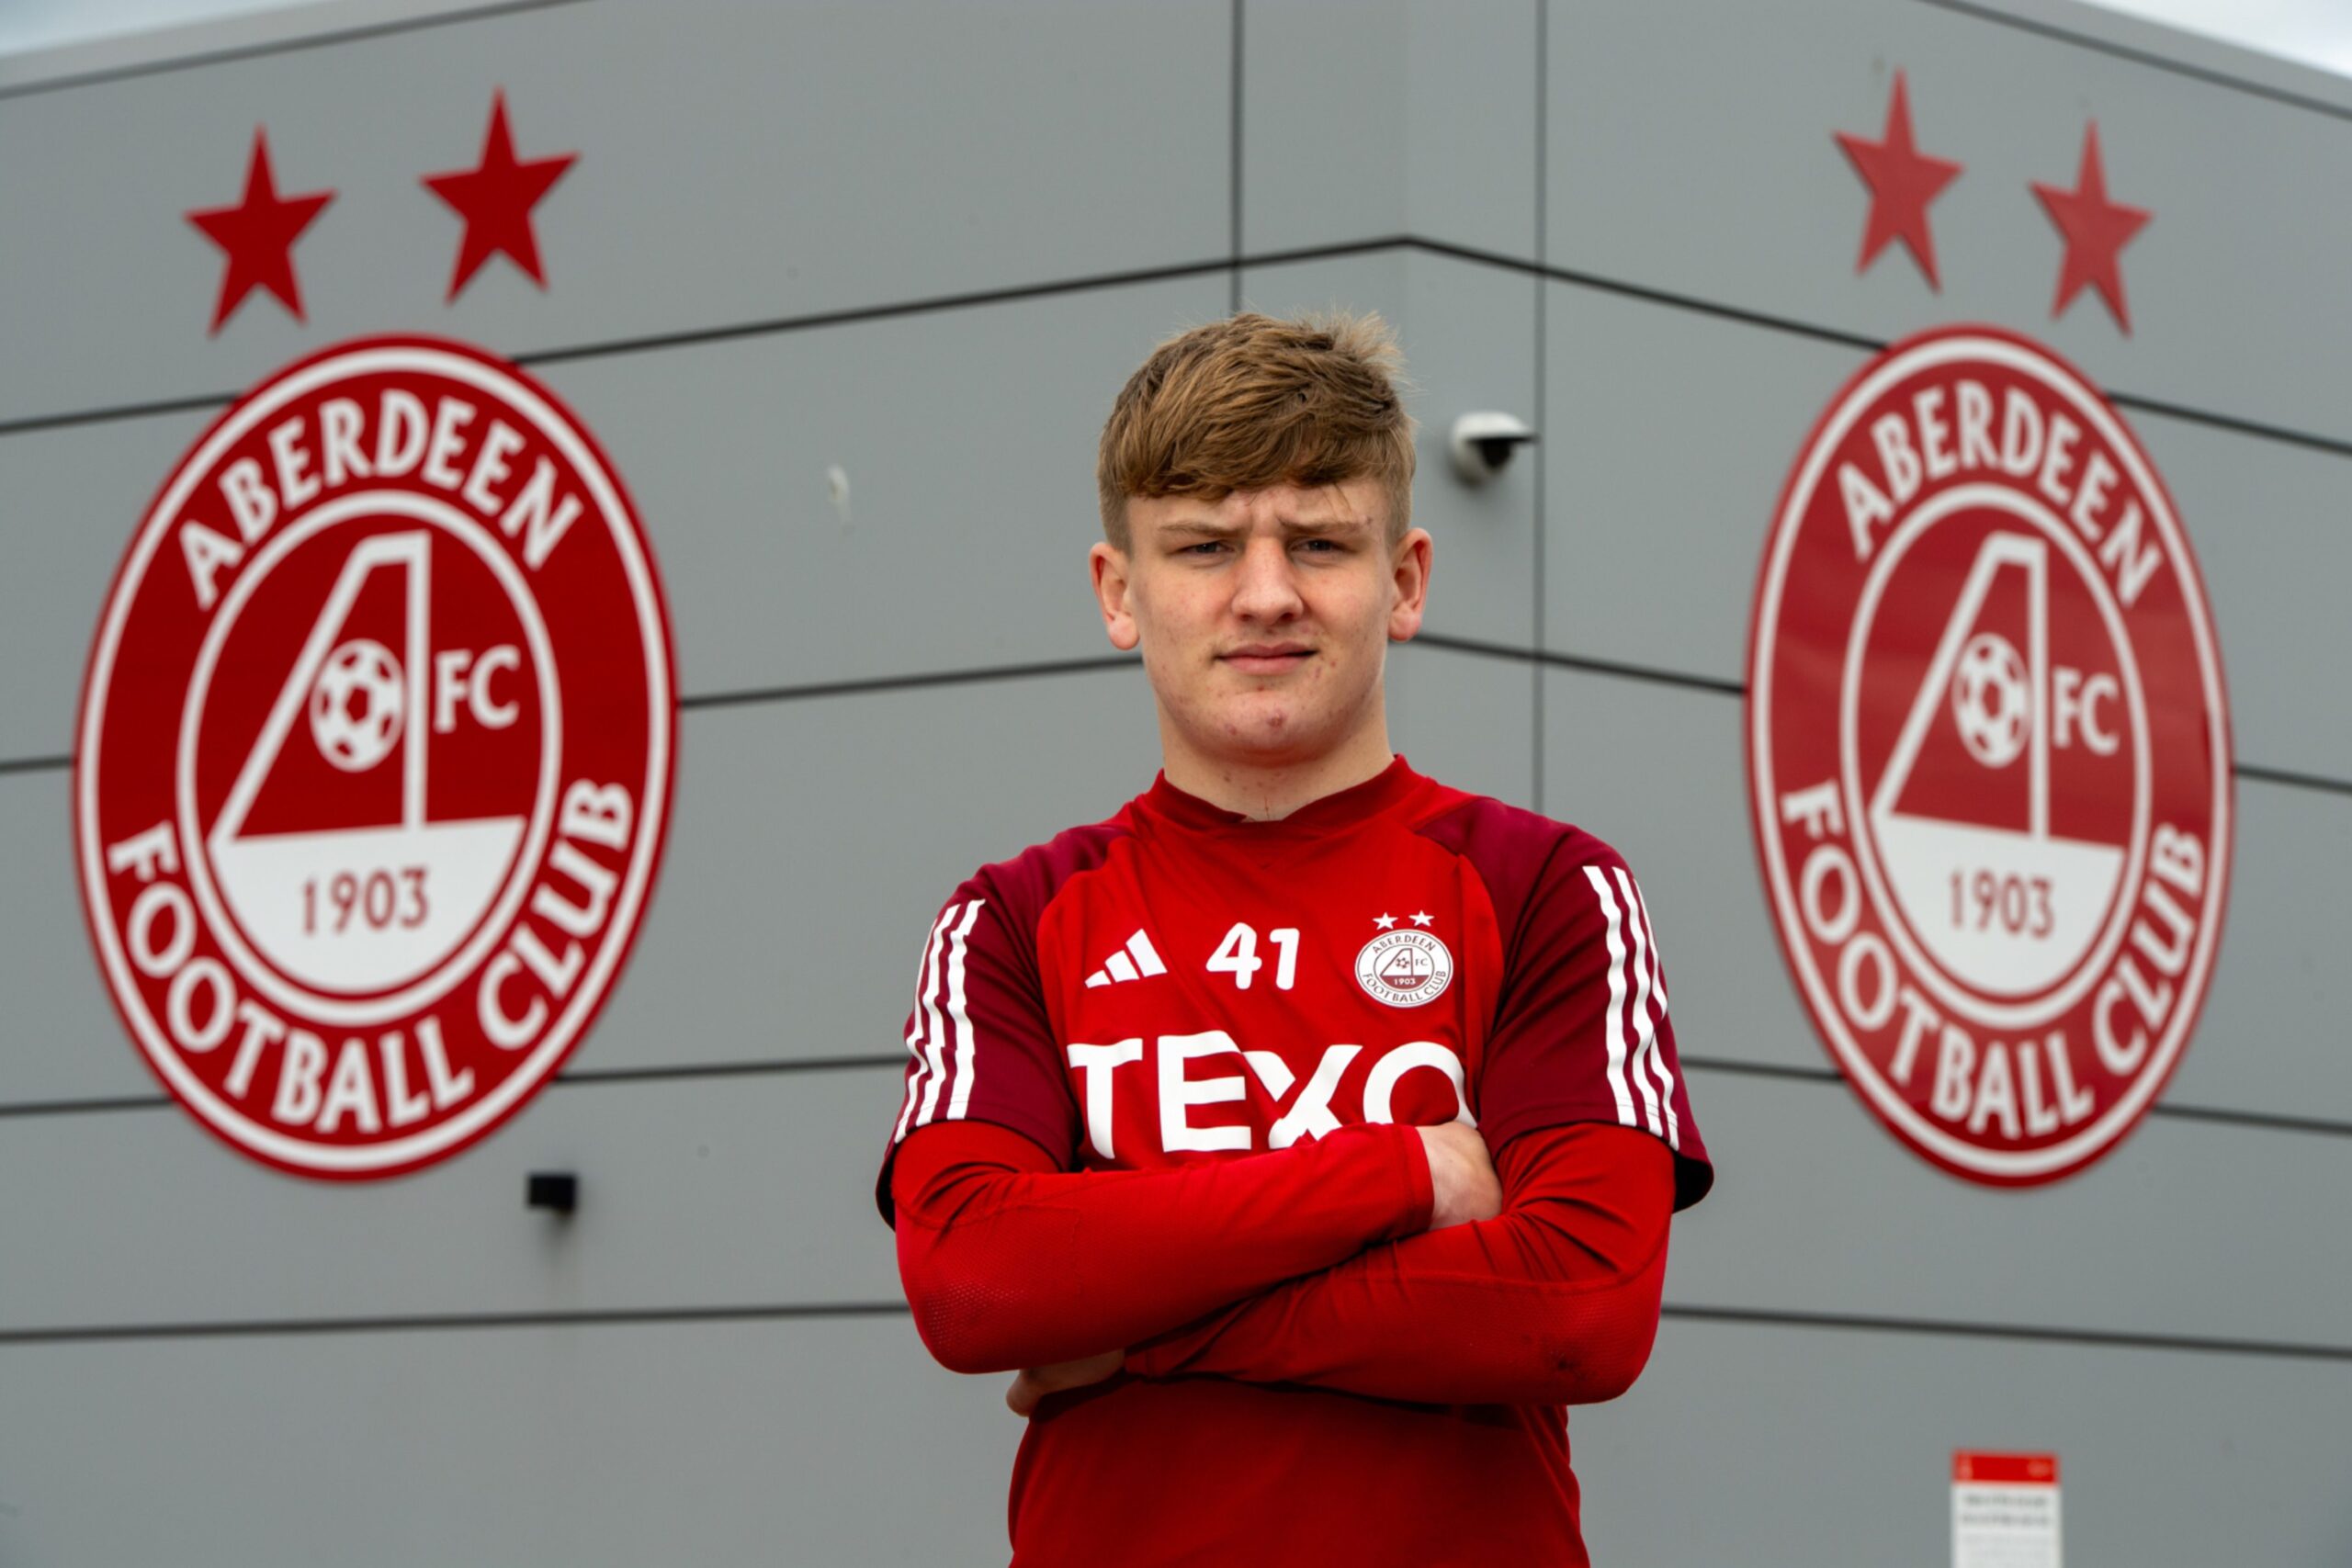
x=1233, y=174
x=1542, y=360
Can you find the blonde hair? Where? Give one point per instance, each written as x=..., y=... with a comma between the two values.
x=1250, y=401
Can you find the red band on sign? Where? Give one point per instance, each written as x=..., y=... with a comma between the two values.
x=2005, y=1469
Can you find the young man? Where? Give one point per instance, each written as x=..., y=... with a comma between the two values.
x=1305, y=1134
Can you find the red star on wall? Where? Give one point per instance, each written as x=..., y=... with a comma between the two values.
x=258, y=234
x=1903, y=180
x=495, y=199
x=2095, y=230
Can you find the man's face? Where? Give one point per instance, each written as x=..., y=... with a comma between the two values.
x=1266, y=618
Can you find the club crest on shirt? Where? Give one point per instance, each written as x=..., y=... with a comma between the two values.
x=1405, y=968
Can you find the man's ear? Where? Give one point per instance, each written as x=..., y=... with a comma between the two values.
x=1109, y=565
x=1409, y=577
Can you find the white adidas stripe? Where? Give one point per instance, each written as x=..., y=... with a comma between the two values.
x=1653, y=979
x=1649, y=1071
x=1616, y=1032
x=941, y=1038
x=967, y=1042
x=918, y=1034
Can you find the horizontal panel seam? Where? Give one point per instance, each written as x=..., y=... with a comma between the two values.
x=912, y=682
x=36, y=764
x=586, y=1318
x=787, y=1311
x=2291, y=779
x=1583, y=663
x=597, y=1076
x=2266, y=1120
x=1959, y=1328
x=1207, y=267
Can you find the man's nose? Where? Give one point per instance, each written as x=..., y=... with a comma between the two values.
x=1267, y=588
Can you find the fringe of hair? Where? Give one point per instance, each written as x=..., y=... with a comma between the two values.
x=1252, y=400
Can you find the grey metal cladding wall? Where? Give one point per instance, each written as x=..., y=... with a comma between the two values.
x=868, y=154
x=784, y=1441
x=1457, y=714
x=1784, y=1447
x=836, y=1441
x=742, y=1192
x=1689, y=152
x=1382, y=118
x=57, y=1015
x=74, y=495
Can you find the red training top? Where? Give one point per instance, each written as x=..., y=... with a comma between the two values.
x=1165, y=1071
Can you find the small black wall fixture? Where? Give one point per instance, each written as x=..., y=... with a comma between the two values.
x=557, y=1191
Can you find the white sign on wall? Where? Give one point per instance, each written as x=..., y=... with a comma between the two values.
x=2003, y=1510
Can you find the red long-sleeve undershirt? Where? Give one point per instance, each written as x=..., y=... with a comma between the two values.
x=1299, y=1265
x=1010, y=1261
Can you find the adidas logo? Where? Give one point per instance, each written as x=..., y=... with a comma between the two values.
x=1133, y=962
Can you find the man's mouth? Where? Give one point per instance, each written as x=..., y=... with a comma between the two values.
x=1266, y=658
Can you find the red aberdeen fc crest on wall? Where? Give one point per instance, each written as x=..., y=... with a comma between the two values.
x=374, y=757
x=1989, y=756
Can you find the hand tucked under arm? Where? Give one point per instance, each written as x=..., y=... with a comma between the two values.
x=1010, y=1261
x=1554, y=1301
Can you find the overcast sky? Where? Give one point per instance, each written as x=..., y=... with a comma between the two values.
x=2318, y=32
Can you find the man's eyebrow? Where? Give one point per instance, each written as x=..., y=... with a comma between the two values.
x=1207, y=525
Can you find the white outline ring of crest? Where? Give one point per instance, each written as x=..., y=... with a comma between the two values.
x=2023, y=1164
x=2008, y=1016
x=367, y=1013
x=589, y=991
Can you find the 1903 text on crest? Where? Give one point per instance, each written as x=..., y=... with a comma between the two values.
x=374, y=757
x=1988, y=756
